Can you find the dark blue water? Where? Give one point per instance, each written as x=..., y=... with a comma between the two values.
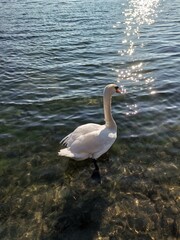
x=56, y=58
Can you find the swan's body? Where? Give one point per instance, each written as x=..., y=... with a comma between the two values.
x=88, y=141
x=92, y=140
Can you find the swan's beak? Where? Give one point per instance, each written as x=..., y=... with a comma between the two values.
x=118, y=90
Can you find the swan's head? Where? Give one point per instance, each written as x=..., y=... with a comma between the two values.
x=112, y=88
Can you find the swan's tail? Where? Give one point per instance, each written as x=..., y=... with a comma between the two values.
x=66, y=153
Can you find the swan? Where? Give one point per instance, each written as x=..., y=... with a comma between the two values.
x=90, y=141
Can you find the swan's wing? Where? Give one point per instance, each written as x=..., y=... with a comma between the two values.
x=94, y=143
x=80, y=131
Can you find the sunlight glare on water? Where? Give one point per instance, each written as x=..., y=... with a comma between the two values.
x=137, y=16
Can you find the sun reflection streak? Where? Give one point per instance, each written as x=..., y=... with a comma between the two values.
x=137, y=14
x=145, y=10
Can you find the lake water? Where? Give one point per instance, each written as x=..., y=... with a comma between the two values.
x=56, y=58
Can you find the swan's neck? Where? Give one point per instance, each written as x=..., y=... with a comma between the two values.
x=109, y=121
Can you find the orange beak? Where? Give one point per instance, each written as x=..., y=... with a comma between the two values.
x=118, y=90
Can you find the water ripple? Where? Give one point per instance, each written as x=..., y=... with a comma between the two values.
x=50, y=54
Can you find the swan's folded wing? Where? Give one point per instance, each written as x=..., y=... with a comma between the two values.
x=80, y=131
x=94, y=142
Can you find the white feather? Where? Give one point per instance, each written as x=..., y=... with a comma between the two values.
x=92, y=140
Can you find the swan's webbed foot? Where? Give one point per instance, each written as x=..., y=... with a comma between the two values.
x=96, y=174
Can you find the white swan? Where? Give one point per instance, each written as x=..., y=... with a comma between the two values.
x=92, y=140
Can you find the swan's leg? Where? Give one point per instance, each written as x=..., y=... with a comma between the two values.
x=96, y=174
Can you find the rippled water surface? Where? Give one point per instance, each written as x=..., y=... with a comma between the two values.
x=56, y=57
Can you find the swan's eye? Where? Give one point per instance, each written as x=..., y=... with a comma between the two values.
x=116, y=88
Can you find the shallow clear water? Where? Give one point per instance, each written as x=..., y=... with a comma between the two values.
x=56, y=57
